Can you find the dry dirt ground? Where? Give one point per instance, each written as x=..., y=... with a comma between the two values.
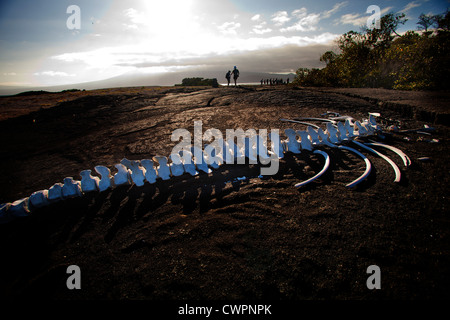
x=216, y=237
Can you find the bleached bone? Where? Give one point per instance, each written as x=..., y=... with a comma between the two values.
x=150, y=172
x=261, y=148
x=325, y=138
x=316, y=119
x=315, y=139
x=366, y=172
x=349, y=127
x=122, y=176
x=55, y=192
x=369, y=126
x=342, y=131
x=213, y=157
x=176, y=165
x=324, y=169
x=106, y=181
x=229, y=150
x=406, y=160
x=188, y=162
x=305, y=143
x=351, y=120
x=162, y=170
x=4, y=213
x=335, y=134
x=236, y=153
x=71, y=188
x=276, y=141
x=19, y=208
x=292, y=144
x=199, y=160
x=39, y=198
x=332, y=134
x=373, y=123
x=251, y=149
x=392, y=163
x=301, y=122
x=362, y=130
x=137, y=173
x=88, y=182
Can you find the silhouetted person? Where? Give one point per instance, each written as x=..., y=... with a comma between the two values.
x=228, y=76
x=235, y=74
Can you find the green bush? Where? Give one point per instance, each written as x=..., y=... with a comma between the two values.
x=383, y=58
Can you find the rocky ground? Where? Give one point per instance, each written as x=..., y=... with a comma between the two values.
x=216, y=237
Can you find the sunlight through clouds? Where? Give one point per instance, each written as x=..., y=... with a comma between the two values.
x=118, y=37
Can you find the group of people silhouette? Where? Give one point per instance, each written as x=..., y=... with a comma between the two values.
x=274, y=81
x=234, y=73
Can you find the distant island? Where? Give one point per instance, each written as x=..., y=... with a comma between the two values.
x=199, y=82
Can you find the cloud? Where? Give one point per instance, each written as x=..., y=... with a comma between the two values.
x=280, y=18
x=410, y=6
x=309, y=22
x=54, y=74
x=306, y=23
x=229, y=27
x=336, y=7
x=357, y=19
x=256, y=17
x=261, y=28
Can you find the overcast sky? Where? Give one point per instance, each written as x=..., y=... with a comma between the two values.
x=117, y=37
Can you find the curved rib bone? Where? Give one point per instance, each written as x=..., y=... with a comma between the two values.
x=392, y=163
x=324, y=169
x=405, y=158
x=189, y=161
x=366, y=172
x=301, y=122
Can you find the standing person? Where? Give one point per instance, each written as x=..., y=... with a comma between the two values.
x=235, y=74
x=228, y=76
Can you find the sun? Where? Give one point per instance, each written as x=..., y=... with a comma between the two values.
x=168, y=18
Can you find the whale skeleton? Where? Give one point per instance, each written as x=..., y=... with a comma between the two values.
x=337, y=135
